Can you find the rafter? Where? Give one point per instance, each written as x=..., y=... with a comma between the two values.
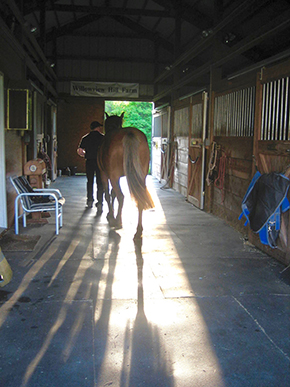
x=278, y=24
x=201, y=45
x=187, y=12
x=147, y=34
x=103, y=11
x=69, y=28
x=109, y=59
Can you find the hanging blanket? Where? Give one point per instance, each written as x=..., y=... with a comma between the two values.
x=265, y=200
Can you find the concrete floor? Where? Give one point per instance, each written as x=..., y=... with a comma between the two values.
x=192, y=306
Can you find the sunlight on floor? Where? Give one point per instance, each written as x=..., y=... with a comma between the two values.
x=162, y=304
x=144, y=312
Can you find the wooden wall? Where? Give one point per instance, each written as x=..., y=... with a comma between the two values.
x=233, y=176
x=266, y=147
x=180, y=177
x=73, y=122
x=11, y=66
x=181, y=128
x=95, y=64
x=15, y=157
x=236, y=126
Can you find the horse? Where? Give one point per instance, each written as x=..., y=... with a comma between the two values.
x=124, y=152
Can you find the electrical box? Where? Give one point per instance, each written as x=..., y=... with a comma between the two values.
x=18, y=109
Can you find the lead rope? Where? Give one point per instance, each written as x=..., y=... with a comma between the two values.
x=174, y=149
x=212, y=164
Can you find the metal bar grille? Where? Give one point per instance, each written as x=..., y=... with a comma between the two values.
x=234, y=113
x=275, y=122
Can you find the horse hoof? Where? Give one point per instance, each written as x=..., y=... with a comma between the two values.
x=114, y=224
x=99, y=213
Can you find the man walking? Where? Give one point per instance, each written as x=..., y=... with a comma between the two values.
x=88, y=148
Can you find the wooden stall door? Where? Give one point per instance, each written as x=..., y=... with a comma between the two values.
x=160, y=141
x=196, y=152
x=272, y=142
x=181, y=131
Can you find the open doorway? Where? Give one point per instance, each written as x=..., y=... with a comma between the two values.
x=137, y=114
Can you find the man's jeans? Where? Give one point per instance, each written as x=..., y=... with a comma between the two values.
x=91, y=170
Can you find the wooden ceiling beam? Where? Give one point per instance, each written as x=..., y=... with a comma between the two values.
x=142, y=32
x=277, y=25
x=147, y=34
x=187, y=12
x=14, y=8
x=102, y=11
x=69, y=28
x=203, y=44
x=109, y=59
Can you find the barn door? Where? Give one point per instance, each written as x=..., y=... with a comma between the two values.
x=196, y=151
x=160, y=140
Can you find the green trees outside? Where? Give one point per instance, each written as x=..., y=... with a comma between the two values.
x=137, y=114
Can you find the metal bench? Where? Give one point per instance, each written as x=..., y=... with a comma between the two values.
x=36, y=200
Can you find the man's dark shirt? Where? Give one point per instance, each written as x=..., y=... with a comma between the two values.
x=91, y=142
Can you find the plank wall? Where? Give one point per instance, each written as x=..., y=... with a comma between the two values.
x=229, y=192
x=181, y=165
x=181, y=128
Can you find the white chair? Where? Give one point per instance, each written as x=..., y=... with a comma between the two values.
x=36, y=200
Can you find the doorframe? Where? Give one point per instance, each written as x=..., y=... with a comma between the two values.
x=204, y=133
x=3, y=196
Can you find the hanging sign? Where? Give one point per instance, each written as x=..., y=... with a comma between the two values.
x=104, y=89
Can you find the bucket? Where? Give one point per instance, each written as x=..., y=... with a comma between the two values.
x=5, y=270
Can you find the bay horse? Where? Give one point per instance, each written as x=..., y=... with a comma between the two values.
x=124, y=152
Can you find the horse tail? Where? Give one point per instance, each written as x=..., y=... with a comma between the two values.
x=134, y=172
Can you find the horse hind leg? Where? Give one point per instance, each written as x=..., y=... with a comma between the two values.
x=108, y=198
x=117, y=222
x=110, y=214
x=139, y=231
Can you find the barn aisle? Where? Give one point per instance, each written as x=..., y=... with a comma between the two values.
x=190, y=306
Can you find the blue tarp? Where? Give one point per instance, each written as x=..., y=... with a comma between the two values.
x=263, y=203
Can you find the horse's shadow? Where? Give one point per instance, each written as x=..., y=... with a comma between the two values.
x=144, y=360
x=103, y=310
